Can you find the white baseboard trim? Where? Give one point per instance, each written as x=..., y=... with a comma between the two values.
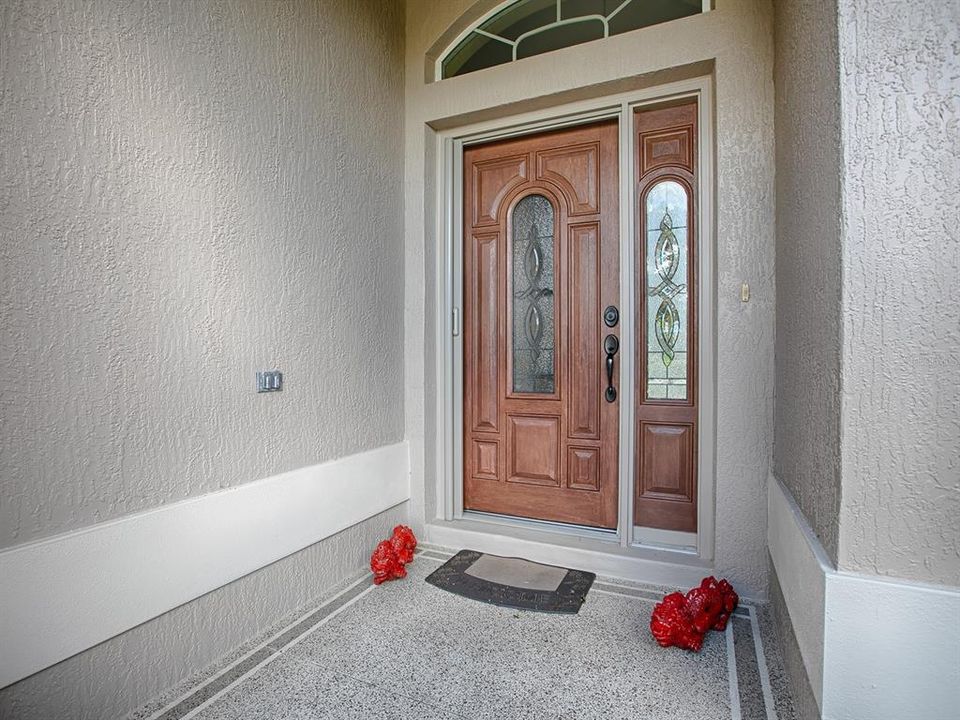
x=65, y=594
x=873, y=648
x=575, y=553
x=802, y=567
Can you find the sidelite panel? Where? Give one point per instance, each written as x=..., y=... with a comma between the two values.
x=665, y=483
x=667, y=291
x=534, y=316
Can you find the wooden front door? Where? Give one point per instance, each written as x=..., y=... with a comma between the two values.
x=541, y=266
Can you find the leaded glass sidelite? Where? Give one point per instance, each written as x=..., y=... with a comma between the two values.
x=531, y=27
x=532, y=282
x=667, y=291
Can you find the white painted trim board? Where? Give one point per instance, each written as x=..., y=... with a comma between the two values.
x=874, y=648
x=802, y=566
x=65, y=594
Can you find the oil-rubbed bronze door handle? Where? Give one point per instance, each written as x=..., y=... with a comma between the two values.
x=610, y=345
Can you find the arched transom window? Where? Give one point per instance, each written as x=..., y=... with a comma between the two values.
x=523, y=28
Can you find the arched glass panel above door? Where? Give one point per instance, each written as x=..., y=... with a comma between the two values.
x=530, y=27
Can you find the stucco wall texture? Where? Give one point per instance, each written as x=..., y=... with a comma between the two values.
x=121, y=674
x=738, y=37
x=190, y=192
x=806, y=453
x=900, y=71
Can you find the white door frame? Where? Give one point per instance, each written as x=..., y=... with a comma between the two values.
x=647, y=542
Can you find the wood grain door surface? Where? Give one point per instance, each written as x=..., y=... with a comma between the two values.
x=541, y=263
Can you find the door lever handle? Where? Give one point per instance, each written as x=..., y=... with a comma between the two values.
x=610, y=345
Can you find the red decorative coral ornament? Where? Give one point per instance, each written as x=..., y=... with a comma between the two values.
x=711, y=604
x=404, y=543
x=385, y=564
x=671, y=625
x=683, y=620
x=390, y=556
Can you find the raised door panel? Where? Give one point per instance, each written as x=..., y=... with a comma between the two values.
x=576, y=170
x=492, y=181
x=583, y=468
x=534, y=449
x=666, y=487
x=584, y=332
x=664, y=148
x=485, y=459
x=484, y=326
x=666, y=451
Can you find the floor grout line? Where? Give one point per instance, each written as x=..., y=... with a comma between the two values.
x=762, y=665
x=734, y=683
x=275, y=655
x=266, y=644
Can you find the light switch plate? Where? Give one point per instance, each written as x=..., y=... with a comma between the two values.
x=269, y=381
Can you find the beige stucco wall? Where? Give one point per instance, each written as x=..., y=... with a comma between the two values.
x=190, y=192
x=808, y=169
x=900, y=71
x=738, y=37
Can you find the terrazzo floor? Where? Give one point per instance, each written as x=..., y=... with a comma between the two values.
x=406, y=649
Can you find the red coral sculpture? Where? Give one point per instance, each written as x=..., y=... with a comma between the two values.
x=683, y=620
x=404, y=543
x=385, y=564
x=671, y=625
x=711, y=604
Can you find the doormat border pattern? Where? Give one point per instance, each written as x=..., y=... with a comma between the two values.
x=452, y=576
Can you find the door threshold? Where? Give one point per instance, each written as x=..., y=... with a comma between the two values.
x=549, y=526
x=544, y=543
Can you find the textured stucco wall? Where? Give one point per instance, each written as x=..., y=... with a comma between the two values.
x=129, y=670
x=738, y=37
x=191, y=191
x=900, y=74
x=806, y=453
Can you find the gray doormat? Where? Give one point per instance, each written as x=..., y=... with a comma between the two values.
x=513, y=582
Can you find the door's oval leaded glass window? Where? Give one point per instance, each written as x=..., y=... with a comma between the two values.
x=668, y=294
x=532, y=283
x=531, y=27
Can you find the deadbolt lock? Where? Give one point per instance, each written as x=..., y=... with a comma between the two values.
x=611, y=316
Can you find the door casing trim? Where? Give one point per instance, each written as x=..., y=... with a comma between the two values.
x=449, y=148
